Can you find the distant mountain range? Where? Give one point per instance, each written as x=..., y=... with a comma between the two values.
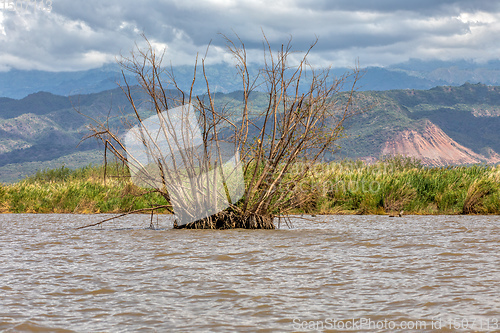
x=414, y=74
x=444, y=125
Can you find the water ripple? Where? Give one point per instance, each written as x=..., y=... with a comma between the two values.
x=126, y=277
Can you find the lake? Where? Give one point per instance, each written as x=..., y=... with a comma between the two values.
x=329, y=273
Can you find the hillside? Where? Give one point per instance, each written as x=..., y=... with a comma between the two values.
x=433, y=147
x=442, y=126
x=44, y=130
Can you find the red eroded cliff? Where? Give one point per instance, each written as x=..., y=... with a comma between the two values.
x=434, y=147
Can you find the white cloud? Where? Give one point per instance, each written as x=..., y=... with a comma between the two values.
x=2, y=28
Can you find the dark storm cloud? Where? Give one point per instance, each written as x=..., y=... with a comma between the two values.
x=424, y=7
x=84, y=34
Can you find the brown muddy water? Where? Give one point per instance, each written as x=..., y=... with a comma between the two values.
x=345, y=273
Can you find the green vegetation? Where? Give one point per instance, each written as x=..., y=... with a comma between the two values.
x=396, y=184
x=76, y=191
x=348, y=187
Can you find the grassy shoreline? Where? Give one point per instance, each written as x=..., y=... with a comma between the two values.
x=82, y=191
x=347, y=187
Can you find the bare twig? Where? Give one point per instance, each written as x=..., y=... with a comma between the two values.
x=168, y=207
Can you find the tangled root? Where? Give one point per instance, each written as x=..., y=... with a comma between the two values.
x=231, y=220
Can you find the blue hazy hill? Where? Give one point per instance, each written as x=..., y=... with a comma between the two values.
x=414, y=74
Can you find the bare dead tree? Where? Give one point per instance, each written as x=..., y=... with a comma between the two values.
x=278, y=146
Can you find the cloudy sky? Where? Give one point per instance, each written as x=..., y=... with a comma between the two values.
x=81, y=34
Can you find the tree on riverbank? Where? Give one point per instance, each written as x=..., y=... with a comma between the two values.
x=303, y=118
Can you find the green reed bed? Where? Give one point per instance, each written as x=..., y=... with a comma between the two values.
x=403, y=184
x=76, y=191
x=347, y=187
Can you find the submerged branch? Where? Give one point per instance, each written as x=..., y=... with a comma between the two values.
x=128, y=213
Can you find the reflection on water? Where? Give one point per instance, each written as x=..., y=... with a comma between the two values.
x=337, y=270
